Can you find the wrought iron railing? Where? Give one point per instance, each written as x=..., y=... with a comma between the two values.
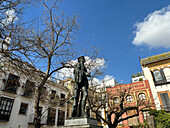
x=163, y=81
x=11, y=89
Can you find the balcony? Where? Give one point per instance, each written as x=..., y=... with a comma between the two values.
x=161, y=82
x=160, y=77
x=11, y=89
x=165, y=80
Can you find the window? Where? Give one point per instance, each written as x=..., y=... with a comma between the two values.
x=61, y=117
x=23, y=108
x=62, y=99
x=157, y=75
x=53, y=94
x=116, y=100
x=164, y=98
x=12, y=83
x=51, y=116
x=142, y=96
x=129, y=98
x=29, y=88
x=5, y=108
x=62, y=95
x=145, y=115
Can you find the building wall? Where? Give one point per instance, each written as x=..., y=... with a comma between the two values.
x=17, y=120
x=136, y=88
x=137, y=79
x=156, y=89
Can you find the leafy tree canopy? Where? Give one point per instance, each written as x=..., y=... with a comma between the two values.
x=162, y=118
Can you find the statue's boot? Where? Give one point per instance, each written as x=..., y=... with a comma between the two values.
x=74, y=113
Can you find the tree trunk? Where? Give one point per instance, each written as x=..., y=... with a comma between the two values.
x=37, y=116
x=38, y=112
x=38, y=123
x=114, y=125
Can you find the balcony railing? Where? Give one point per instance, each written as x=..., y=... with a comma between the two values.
x=163, y=81
x=11, y=89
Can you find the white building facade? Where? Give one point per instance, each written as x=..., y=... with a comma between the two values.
x=156, y=70
x=17, y=105
x=18, y=99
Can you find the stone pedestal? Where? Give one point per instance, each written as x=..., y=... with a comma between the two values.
x=81, y=123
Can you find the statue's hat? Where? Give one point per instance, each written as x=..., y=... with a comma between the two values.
x=81, y=58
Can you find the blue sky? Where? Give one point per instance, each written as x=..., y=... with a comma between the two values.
x=109, y=25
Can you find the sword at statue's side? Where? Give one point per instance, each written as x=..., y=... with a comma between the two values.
x=69, y=99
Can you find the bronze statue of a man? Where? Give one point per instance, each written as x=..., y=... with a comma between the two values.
x=81, y=86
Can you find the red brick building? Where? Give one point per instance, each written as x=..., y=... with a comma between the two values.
x=137, y=94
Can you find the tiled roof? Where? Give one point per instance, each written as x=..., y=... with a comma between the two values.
x=155, y=58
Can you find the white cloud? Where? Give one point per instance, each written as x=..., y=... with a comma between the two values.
x=10, y=17
x=90, y=64
x=94, y=82
x=154, y=31
x=107, y=81
x=64, y=73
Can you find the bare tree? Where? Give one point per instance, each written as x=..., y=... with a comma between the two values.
x=115, y=105
x=41, y=50
x=41, y=47
x=10, y=11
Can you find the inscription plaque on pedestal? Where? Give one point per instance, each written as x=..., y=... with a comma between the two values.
x=81, y=123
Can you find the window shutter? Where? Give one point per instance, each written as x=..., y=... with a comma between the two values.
x=153, y=76
x=163, y=75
